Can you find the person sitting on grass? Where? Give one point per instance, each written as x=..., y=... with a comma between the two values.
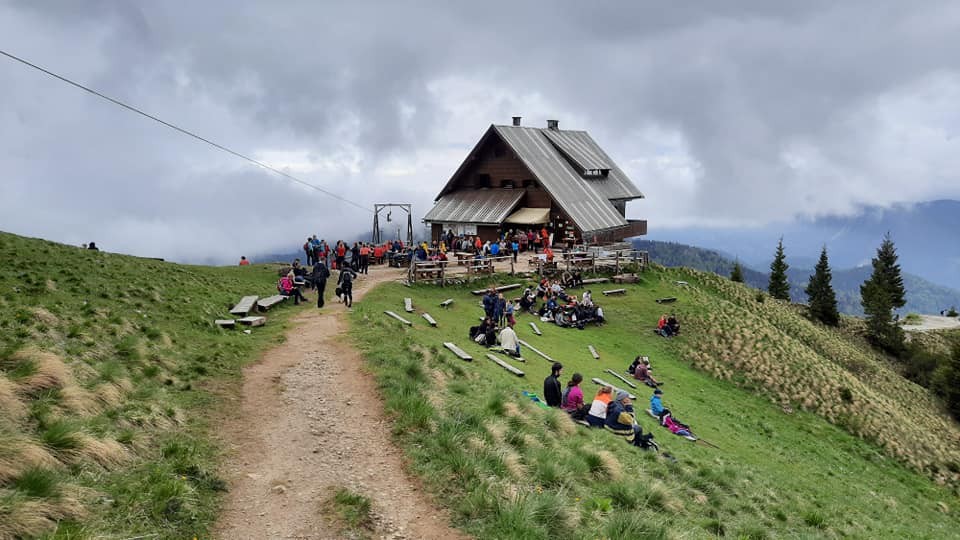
x=621, y=420
x=509, y=341
x=288, y=287
x=662, y=326
x=658, y=410
x=642, y=373
x=528, y=300
x=673, y=325
x=572, y=399
x=597, y=415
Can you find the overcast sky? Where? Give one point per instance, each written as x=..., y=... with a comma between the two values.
x=723, y=113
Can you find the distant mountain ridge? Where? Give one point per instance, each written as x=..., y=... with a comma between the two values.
x=927, y=236
x=922, y=295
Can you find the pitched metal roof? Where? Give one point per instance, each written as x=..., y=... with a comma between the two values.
x=587, y=206
x=484, y=206
x=580, y=147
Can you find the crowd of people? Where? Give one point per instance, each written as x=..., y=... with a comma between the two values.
x=559, y=307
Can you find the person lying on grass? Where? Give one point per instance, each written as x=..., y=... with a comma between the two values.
x=509, y=341
x=642, y=373
x=572, y=400
x=597, y=415
x=677, y=428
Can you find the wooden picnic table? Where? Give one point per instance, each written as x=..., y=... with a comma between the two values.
x=429, y=269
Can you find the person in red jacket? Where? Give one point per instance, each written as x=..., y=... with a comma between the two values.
x=244, y=261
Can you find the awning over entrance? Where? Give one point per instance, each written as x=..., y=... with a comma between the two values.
x=529, y=216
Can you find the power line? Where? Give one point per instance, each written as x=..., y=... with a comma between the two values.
x=186, y=132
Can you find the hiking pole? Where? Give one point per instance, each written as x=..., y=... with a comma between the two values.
x=708, y=443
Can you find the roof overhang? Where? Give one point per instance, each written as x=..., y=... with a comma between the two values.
x=529, y=216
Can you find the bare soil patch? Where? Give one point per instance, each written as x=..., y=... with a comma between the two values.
x=307, y=421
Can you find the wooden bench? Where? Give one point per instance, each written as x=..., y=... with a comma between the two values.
x=429, y=319
x=591, y=281
x=408, y=305
x=601, y=382
x=266, y=303
x=253, y=321
x=457, y=351
x=399, y=318
x=535, y=329
x=536, y=350
x=505, y=365
x=617, y=375
x=501, y=288
x=614, y=291
x=225, y=323
x=446, y=303
x=626, y=278
x=593, y=352
x=244, y=306
x=668, y=300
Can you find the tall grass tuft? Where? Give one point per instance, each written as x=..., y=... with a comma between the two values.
x=37, y=482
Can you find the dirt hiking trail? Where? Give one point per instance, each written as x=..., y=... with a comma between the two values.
x=307, y=421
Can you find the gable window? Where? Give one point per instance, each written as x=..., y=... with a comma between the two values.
x=506, y=184
x=530, y=183
x=482, y=181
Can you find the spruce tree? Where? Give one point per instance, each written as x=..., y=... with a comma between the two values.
x=778, y=287
x=736, y=275
x=821, y=297
x=890, y=272
x=879, y=295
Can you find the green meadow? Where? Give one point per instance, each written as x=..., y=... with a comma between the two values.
x=785, y=467
x=109, y=368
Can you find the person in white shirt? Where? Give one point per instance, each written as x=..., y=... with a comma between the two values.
x=587, y=299
x=509, y=341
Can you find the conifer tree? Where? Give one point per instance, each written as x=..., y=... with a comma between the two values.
x=820, y=294
x=879, y=295
x=890, y=272
x=736, y=275
x=778, y=287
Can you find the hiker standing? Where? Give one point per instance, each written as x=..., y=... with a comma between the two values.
x=364, y=259
x=551, y=386
x=345, y=282
x=308, y=251
x=319, y=278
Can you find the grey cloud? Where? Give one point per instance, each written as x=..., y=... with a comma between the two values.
x=744, y=87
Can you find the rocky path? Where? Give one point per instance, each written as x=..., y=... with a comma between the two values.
x=308, y=421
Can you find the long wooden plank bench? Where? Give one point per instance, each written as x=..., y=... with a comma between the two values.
x=536, y=350
x=408, y=305
x=591, y=281
x=399, y=318
x=535, y=329
x=253, y=321
x=621, y=377
x=264, y=304
x=429, y=319
x=505, y=365
x=244, y=306
x=225, y=323
x=614, y=291
x=458, y=351
x=593, y=351
x=446, y=303
x=501, y=288
x=600, y=382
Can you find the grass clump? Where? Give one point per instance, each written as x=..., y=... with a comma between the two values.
x=353, y=509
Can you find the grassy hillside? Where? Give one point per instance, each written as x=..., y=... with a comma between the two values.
x=755, y=379
x=107, y=363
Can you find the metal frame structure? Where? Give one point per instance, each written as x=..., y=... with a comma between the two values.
x=377, y=208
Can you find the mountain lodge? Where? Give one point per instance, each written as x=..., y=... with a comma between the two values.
x=524, y=177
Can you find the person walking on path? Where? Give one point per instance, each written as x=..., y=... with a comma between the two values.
x=551, y=386
x=319, y=278
x=345, y=282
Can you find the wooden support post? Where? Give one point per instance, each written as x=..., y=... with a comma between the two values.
x=535, y=329
x=429, y=319
x=617, y=375
x=537, y=351
x=399, y=318
x=458, y=351
x=618, y=263
x=505, y=365
x=593, y=352
x=408, y=305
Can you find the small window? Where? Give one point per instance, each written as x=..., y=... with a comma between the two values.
x=482, y=181
x=530, y=183
x=506, y=184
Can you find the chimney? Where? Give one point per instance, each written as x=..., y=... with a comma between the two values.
x=516, y=120
x=553, y=124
